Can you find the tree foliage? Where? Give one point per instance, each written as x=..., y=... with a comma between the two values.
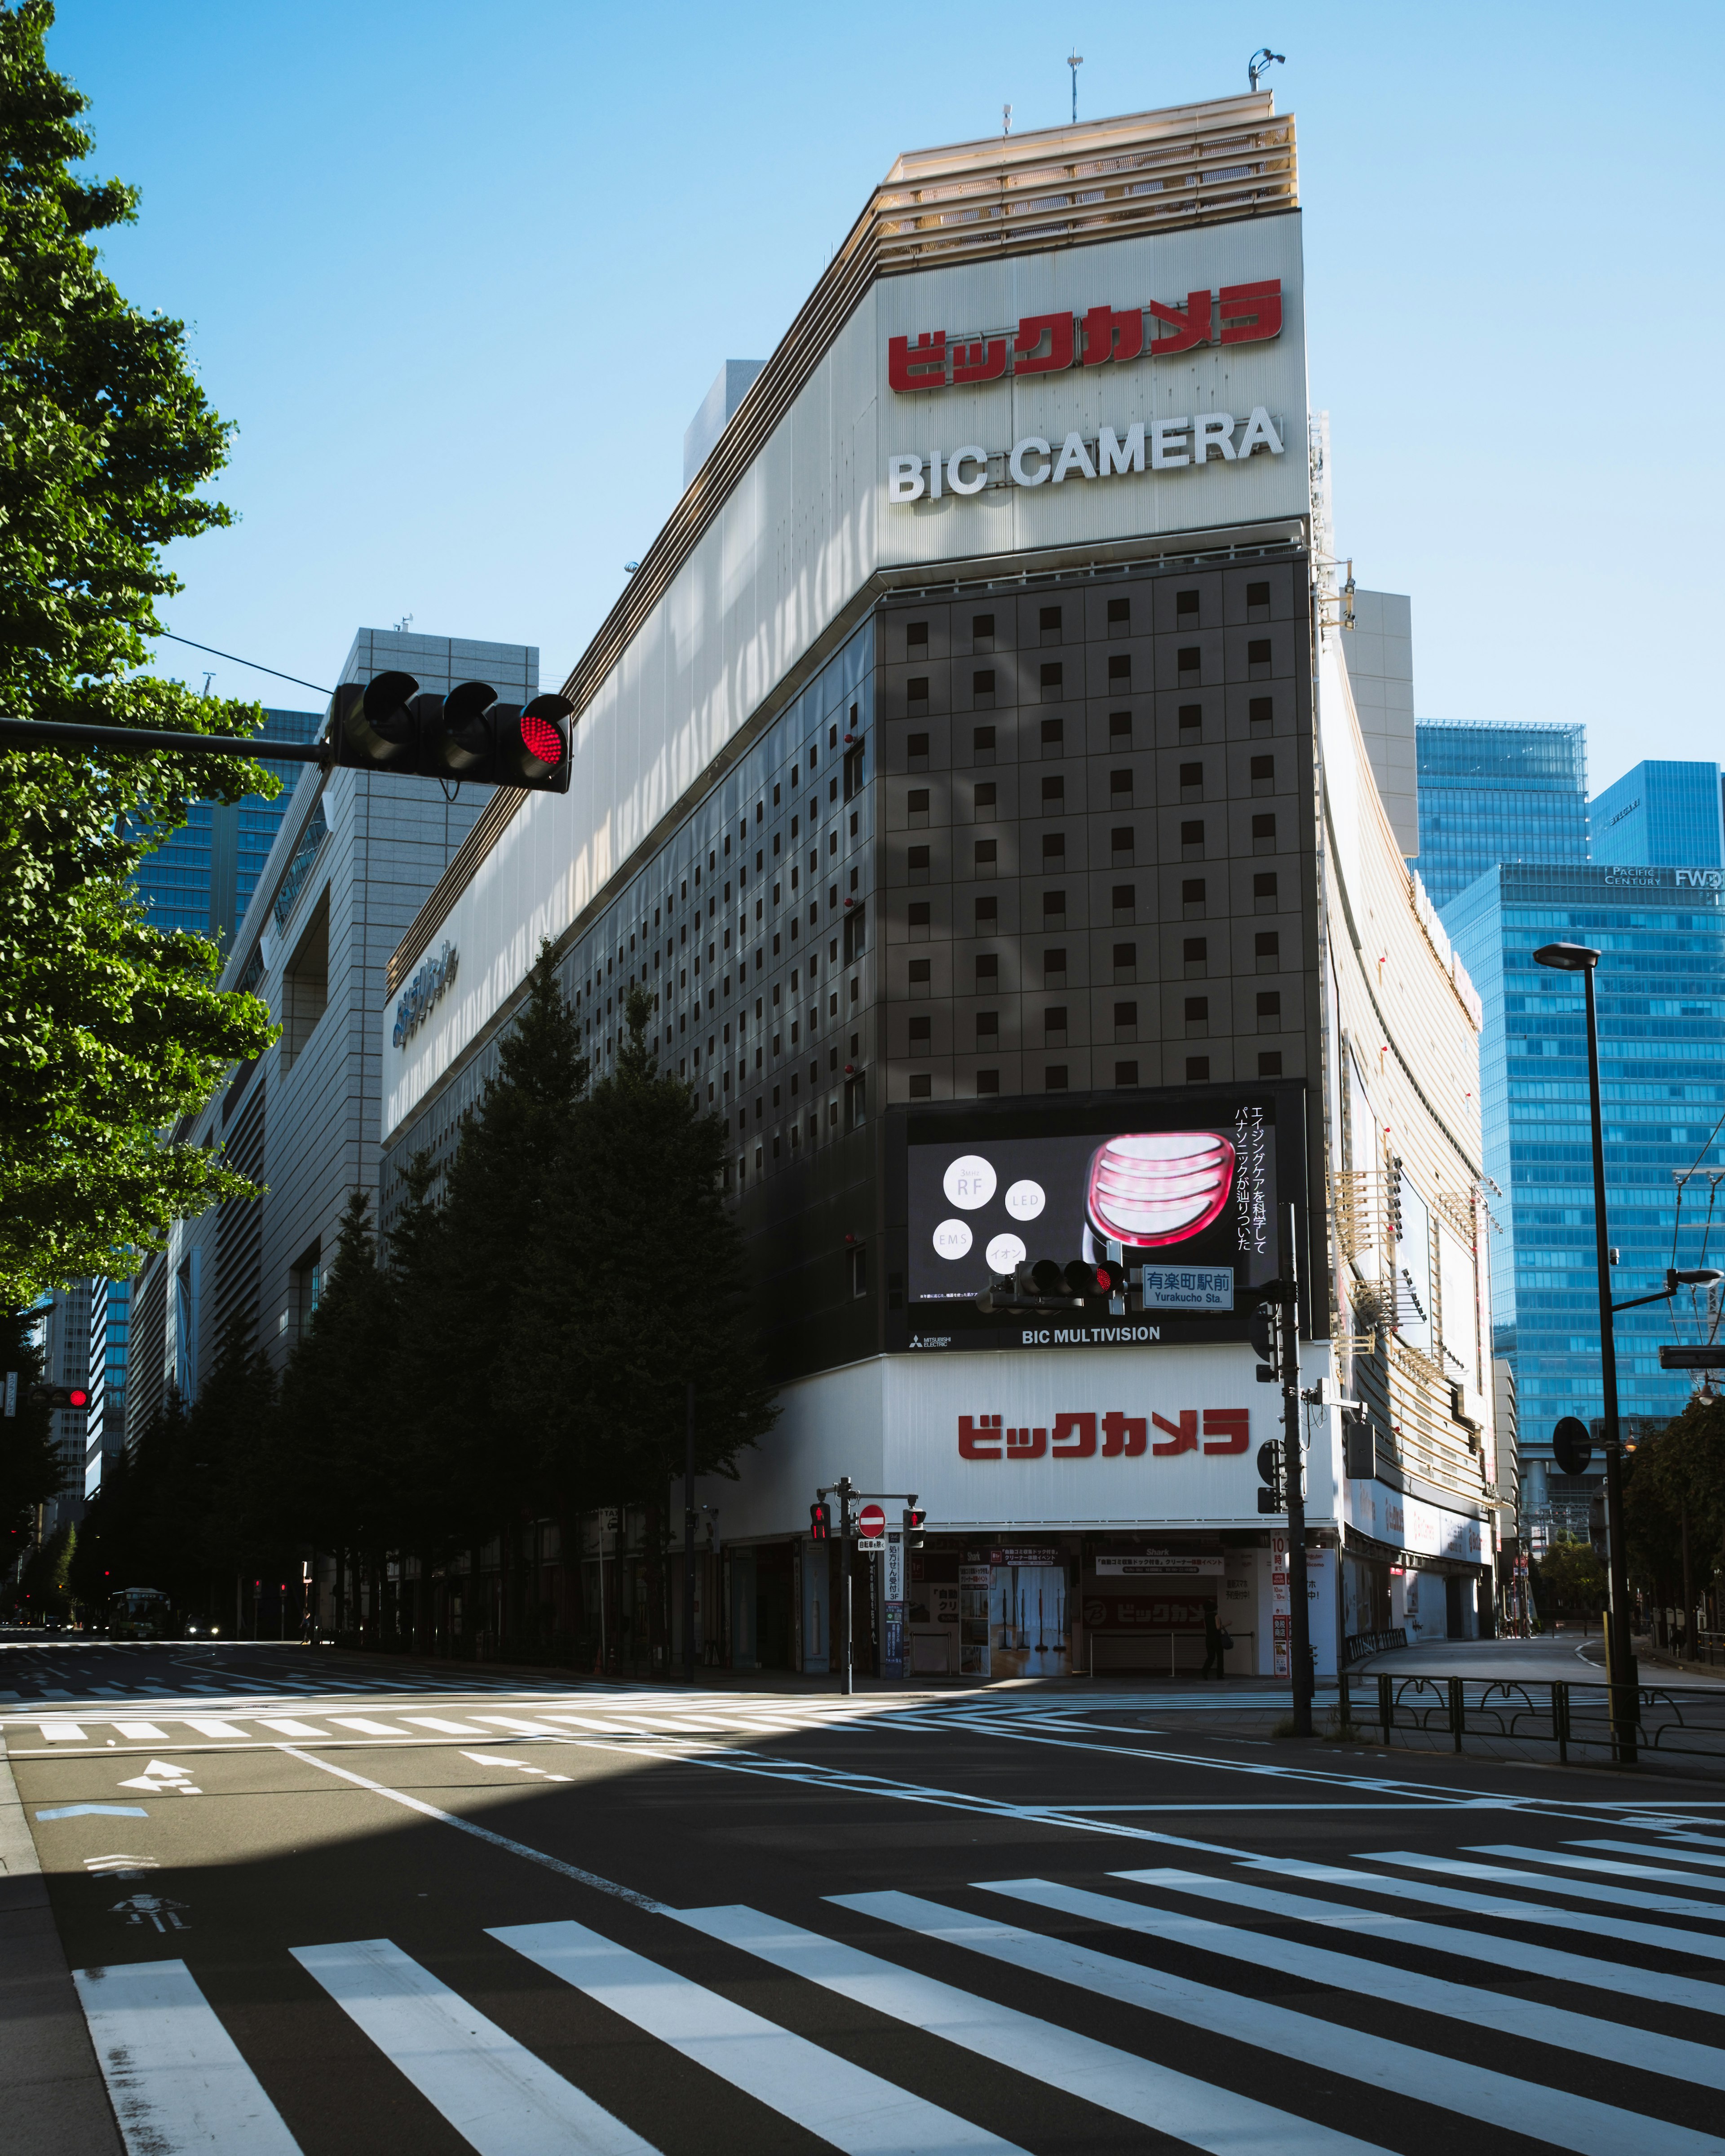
x=1569, y=1580
x=1673, y=1479
x=110, y=1029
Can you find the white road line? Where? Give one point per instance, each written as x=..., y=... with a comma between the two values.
x=206, y=1727
x=1560, y=1860
x=1674, y=1937
x=63, y=1733
x=1208, y=2116
x=1616, y=1977
x=443, y=1728
x=1505, y=2012
x=518, y=1722
x=493, y=2091
x=1537, y=2109
x=146, y=1731
x=854, y=2110
x=1643, y=1849
x=288, y=1729
x=175, y=2076
x=1580, y=1890
x=366, y=1728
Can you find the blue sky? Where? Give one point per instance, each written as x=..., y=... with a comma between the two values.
x=460, y=275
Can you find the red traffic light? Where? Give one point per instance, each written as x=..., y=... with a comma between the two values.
x=76, y=1397
x=61, y=1399
x=389, y=724
x=820, y=1521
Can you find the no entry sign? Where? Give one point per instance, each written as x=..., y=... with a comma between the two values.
x=870, y=1525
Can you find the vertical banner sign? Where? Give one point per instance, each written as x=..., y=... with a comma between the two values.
x=893, y=1596
x=1282, y=1618
x=12, y=1391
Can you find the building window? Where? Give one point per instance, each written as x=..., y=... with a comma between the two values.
x=1263, y=834
x=1263, y=774
x=988, y=1081
x=1049, y=623
x=916, y=639
x=918, y=920
x=1125, y=904
x=982, y=632
x=982, y=688
x=986, y=801
x=1192, y=782
x=987, y=1029
x=921, y=1089
x=1053, y=677
x=1270, y=1063
x=1120, y=616
x=915, y=808
x=1197, y=1069
x=1191, y=719
x=1054, y=1026
x=1257, y=602
x=1126, y=1074
x=1123, y=848
x=1270, y=1010
x=1053, y=850
x=986, y=857
x=860, y=1270
x=1054, y=796
x=1198, y=1017
x=1196, y=953
x=987, y=916
x=1053, y=909
x=916, y=865
x=1054, y=967
x=987, y=972
x=1120, y=729
x=1126, y=962
x=1264, y=895
x=1192, y=899
x=1054, y=1078
x=1192, y=841
x=917, y=752
x=1185, y=606
x=981, y=744
x=1261, y=712
x=920, y=982
x=1120, y=673
x=921, y=1031
x=1191, y=663
x=916, y=695
x=1125, y=1021
x=1054, y=737
x=1258, y=659
x=1266, y=949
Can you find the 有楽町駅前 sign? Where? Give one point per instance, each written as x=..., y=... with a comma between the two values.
x=1101, y=336
x=1167, y=445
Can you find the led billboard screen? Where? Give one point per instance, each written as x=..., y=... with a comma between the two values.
x=1187, y=1188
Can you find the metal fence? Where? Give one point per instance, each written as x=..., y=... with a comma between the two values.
x=1564, y=1714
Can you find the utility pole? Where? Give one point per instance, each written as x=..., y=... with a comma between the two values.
x=689, y=1543
x=847, y=1678
x=1293, y=1473
x=1075, y=60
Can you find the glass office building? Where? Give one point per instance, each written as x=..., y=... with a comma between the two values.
x=1491, y=793
x=1662, y=996
x=1661, y=815
x=202, y=875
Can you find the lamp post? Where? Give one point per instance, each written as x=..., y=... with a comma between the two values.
x=1580, y=959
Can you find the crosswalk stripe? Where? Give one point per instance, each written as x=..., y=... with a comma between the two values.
x=1537, y=2109
x=1351, y=1916
x=1580, y=1890
x=287, y=1726
x=146, y=1731
x=496, y=2094
x=1547, y=1914
x=175, y=2076
x=1588, y=2033
x=854, y=2109
x=444, y=1728
x=207, y=1726
x=63, y=1733
x=1560, y=1860
x=520, y=1722
x=1204, y=2113
x=1645, y=1850
x=366, y=1728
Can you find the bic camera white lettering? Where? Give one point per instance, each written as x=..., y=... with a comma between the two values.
x=1172, y=445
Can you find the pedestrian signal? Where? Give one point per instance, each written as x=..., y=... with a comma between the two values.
x=820, y=1521
x=914, y=1521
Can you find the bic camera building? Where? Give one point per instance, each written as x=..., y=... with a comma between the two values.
x=965, y=775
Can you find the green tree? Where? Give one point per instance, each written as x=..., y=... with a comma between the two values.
x=606, y=1341
x=110, y=1030
x=1571, y=1580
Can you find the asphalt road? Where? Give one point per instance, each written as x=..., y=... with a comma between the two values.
x=314, y=1904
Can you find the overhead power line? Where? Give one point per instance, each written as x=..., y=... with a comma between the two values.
x=251, y=663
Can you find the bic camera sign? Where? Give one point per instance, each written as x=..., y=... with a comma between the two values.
x=1052, y=344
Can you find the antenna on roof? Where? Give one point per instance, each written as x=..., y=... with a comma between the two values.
x=1005, y=120
x=1075, y=60
x=1259, y=63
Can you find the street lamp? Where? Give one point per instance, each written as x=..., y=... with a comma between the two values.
x=1580, y=959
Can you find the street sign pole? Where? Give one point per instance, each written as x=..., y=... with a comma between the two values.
x=847, y=1680
x=689, y=1543
x=1293, y=1464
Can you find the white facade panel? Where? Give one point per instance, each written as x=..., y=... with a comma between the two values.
x=810, y=523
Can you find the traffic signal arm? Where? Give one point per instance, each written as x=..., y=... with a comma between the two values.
x=140, y=741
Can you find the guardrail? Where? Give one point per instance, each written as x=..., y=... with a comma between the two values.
x=1557, y=1711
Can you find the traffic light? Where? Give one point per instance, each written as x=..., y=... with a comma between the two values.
x=389, y=724
x=1095, y=1280
x=820, y=1521
x=1272, y=1498
x=1048, y=1284
x=61, y=1399
x=915, y=1521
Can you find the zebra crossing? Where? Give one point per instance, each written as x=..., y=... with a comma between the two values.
x=1253, y=2007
